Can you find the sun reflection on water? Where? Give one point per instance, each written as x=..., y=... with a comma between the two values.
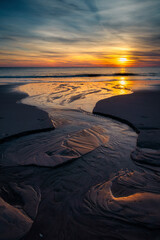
x=123, y=70
x=78, y=94
x=123, y=81
x=73, y=95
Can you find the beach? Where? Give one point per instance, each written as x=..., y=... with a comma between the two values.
x=140, y=110
x=79, y=120
x=16, y=118
x=78, y=181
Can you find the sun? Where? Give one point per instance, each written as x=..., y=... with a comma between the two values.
x=123, y=60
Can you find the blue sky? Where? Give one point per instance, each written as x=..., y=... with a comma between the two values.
x=79, y=32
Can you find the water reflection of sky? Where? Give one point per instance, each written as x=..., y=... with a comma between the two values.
x=79, y=94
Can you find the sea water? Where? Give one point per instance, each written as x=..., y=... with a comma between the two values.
x=96, y=191
x=78, y=88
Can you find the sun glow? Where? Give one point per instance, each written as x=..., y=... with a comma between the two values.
x=123, y=60
x=122, y=81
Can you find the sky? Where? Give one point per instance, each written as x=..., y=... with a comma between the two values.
x=79, y=33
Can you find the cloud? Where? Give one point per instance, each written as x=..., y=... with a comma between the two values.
x=37, y=25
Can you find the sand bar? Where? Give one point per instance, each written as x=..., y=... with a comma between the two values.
x=141, y=109
x=19, y=118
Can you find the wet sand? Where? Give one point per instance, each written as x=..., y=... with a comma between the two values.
x=17, y=118
x=141, y=110
x=99, y=193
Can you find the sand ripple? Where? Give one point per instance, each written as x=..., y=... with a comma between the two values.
x=148, y=158
x=101, y=195
x=51, y=150
x=19, y=205
x=131, y=203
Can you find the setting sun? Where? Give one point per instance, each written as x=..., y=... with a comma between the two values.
x=123, y=60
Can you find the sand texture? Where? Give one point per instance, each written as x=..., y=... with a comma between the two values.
x=141, y=109
x=16, y=118
x=85, y=180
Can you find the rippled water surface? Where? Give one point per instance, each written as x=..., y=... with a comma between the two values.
x=86, y=179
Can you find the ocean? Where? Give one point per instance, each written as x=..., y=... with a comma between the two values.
x=78, y=88
x=38, y=72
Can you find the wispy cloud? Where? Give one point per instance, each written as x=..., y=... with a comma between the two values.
x=77, y=27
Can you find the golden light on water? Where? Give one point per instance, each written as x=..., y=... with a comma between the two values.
x=80, y=94
x=123, y=70
x=122, y=81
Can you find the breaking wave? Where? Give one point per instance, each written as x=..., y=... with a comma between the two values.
x=76, y=75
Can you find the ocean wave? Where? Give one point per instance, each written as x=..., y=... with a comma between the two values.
x=76, y=75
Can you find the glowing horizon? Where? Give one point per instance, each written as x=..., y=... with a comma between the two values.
x=74, y=33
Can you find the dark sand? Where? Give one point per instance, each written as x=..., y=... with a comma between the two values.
x=141, y=110
x=19, y=118
x=102, y=195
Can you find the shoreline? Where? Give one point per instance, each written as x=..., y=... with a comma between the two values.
x=30, y=192
x=140, y=110
x=121, y=120
x=18, y=119
x=34, y=120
